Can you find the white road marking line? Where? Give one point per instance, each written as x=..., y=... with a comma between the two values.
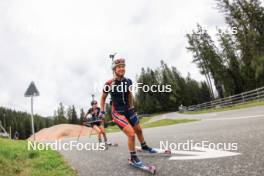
x=204, y=153
x=200, y=153
x=236, y=118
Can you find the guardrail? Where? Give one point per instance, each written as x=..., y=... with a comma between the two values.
x=257, y=94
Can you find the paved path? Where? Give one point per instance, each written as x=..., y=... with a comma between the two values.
x=245, y=127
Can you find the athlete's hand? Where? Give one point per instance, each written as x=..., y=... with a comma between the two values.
x=132, y=109
x=89, y=116
x=102, y=114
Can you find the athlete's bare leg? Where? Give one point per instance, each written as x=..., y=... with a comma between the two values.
x=98, y=131
x=103, y=132
x=129, y=131
x=138, y=131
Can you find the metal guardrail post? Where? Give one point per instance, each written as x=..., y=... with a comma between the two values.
x=243, y=98
x=257, y=93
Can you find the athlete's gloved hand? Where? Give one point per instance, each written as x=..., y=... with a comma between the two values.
x=89, y=116
x=132, y=109
x=132, y=115
x=102, y=114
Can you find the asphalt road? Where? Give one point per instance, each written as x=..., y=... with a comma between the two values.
x=244, y=127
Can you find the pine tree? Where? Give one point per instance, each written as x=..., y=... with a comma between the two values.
x=61, y=114
x=82, y=116
x=74, y=116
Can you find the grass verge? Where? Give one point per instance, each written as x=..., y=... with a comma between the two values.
x=241, y=106
x=143, y=123
x=166, y=122
x=16, y=159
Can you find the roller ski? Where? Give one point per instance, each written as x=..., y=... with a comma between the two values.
x=106, y=145
x=152, y=151
x=140, y=165
x=103, y=146
x=110, y=144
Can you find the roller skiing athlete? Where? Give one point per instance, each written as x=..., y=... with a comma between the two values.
x=123, y=112
x=96, y=122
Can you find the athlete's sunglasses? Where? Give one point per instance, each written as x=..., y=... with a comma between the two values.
x=119, y=61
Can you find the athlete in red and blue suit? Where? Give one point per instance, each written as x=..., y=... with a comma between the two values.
x=122, y=108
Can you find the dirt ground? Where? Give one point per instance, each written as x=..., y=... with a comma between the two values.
x=59, y=132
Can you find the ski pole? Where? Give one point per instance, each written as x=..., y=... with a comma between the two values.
x=91, y=131
x=80, y=132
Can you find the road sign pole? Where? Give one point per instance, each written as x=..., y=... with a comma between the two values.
x=31, y=92
x=32, y=118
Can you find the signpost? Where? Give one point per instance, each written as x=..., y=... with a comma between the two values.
x=31, y=92
x=4, y=134
x=112, y=56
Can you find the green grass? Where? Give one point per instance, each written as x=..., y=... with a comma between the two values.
x=112, y=129
x=241, y=106
x=157, y=113
x=115, y=128
x=143, y=123
x=16, y=159
x=166, y=122
x=144, y=120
